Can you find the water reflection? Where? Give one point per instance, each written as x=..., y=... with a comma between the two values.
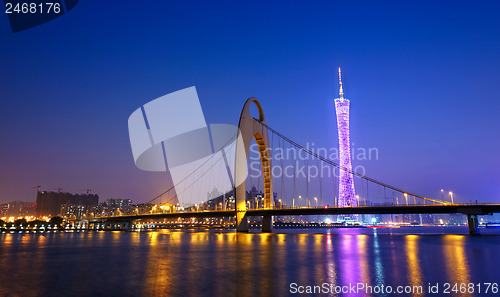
x=208, y=263
x=411, y=251
x=16, y=265
x=379, y=269
x=363, y=259
x=456, y=259
x=331, y=271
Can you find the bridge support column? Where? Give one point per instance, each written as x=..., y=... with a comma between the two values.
x=473, y=223
x=241, y=221
x=131, y=226
x=267, y=224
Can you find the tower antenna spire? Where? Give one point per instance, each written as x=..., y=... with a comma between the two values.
x=341, y=91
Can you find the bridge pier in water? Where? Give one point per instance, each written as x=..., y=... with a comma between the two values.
x=473, y=223
x=267, y=224
x=241, y=221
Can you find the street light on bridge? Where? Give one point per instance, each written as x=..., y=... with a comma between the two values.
x=451, y=195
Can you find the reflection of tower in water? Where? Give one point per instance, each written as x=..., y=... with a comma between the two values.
x=347, y=195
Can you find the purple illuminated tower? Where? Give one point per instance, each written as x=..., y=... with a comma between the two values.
x=347, y=197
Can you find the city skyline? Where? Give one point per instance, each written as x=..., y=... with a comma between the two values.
x=65, y=108
x=215, y=148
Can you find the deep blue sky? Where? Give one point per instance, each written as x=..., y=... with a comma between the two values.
x=423, y=79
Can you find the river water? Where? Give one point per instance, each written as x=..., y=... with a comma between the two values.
x=283, y=263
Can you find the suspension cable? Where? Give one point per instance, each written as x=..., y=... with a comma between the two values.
x=187, y=176
x=342, y=167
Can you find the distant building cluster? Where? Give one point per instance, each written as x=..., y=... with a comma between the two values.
x=17, y=209
x=71, y=206
x=64, y=204
x=216, y=201
x=255, y=199
x=219, y=201
x=113, y=207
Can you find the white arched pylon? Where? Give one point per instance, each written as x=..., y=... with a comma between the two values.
x=248, y=129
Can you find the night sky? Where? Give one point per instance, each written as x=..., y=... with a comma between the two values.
x=423, y=80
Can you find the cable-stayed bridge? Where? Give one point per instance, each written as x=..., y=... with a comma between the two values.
x=304, y=182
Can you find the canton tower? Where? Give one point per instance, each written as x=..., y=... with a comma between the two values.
x=347, y=196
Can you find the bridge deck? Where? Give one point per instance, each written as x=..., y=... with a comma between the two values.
x=472, y=209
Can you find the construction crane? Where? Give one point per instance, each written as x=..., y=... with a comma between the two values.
x=37, y=188
x=86, y=190
x=58, y=190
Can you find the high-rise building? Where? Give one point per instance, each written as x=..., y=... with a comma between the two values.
x=49, y=203
x=17, y=209
x=347, y=195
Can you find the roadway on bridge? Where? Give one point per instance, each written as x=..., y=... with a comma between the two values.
x=471, y=209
